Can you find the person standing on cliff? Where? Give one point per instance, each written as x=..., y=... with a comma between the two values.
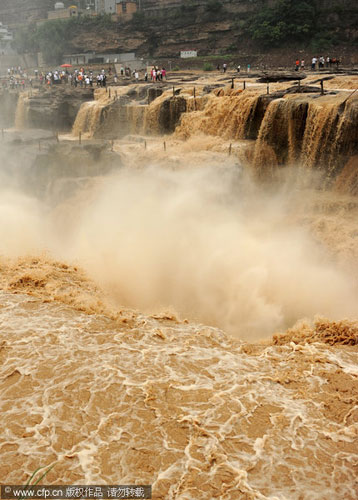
x=297, y=65
x=224, y=67
x=302, y=65
x=314, y=61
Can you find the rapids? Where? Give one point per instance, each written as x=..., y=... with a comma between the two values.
x=182, y=407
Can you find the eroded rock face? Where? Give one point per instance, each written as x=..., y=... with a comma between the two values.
x=55, y=169
x=56, y=108
x=170, y=112
x=35, y=162
x=8, y=103
x=281, y=76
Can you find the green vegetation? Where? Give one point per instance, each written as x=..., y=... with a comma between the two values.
x=286, y=21
x=28, y=483
x=208, y=67
x=214, y=6
x=263, y=24
x=52, y=38
x=188, y=6
x=139, y=20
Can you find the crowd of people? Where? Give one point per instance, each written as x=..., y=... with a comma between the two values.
x=318, y=63
x=17, y=78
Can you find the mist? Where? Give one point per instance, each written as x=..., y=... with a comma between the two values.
x=205, y=242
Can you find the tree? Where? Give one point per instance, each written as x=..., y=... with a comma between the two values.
x=51, y=38
x=286, y=21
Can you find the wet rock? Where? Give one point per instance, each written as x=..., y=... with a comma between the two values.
x=55, y=169
x=302, y=89
x=8, y=103
x=256, y=115
x=153, y=93
x=209, y=88
x=28, y=136
x=56, y=108
x=170, y=112
x=281, y=76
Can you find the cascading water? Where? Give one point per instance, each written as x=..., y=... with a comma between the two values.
x=110, y=394
x=22, y=111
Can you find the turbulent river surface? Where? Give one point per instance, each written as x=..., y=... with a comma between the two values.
x=107, y=370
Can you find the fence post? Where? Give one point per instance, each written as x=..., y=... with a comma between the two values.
x=165, y=146
x=79, y=138
x=230, y=147
x=244, y=83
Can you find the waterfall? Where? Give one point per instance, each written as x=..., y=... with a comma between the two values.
x=21, y=115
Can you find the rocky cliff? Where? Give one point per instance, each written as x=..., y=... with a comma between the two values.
x=225, y=28
x=162, y=28
x=51, y=108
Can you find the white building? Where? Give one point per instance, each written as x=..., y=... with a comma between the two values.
x=110, y=6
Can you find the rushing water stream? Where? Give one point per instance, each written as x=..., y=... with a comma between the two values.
x=107, y=370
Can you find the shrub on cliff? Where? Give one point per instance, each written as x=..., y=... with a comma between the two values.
x=208, y=67
x=214, y=6
x=286, y=21
x=52, y=37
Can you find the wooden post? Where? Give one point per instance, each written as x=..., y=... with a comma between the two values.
x=173, y=91
x=165, y=146
x=322, y=89
x=194, y=92
x=244, y=85
x=230, y=147
x=299, y=85
x=232, y=83
x=268, y=89
x=79, y=138
x=145, y=144
x=109, y=93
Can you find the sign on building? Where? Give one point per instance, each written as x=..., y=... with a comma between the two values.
x=188, y=53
